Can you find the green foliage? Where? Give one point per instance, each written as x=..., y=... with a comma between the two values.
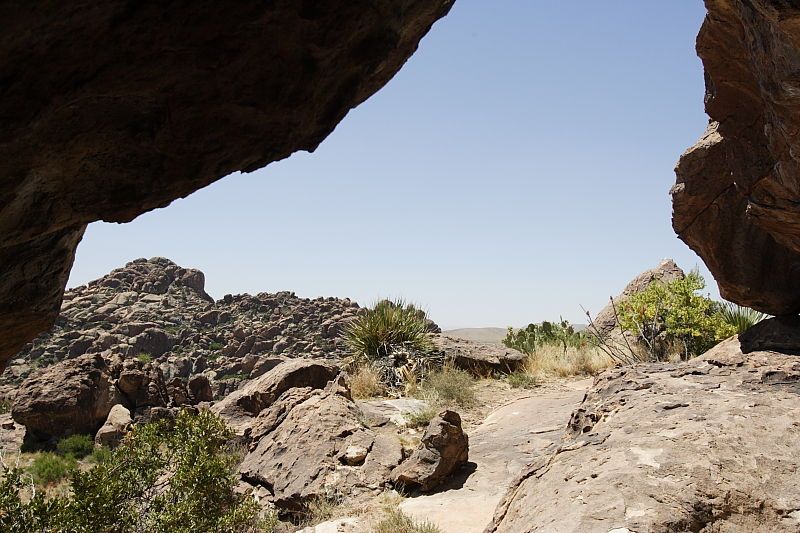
x=75, y=446
x=398, y=522
x=161, y=479
x=672, y=316
x=214, y=345
x=5, y=406
x=420, y=418
x=144, y=357
x=529, y=339
x=522, y=380
x=449, y=386
x=740, y=318
x=49, y=468
x=389, y=325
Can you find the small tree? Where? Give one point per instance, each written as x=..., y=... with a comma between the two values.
x=673, y=316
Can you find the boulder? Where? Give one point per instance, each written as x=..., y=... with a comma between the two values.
x=71, y=397
x=113, y=110
x=737, y=190
x=143, y=387
x=479, y=358
x=310, y=443
x=115, y=427
x=241, y=407
x=443, y=450
x=711, y=444
x=200, y=389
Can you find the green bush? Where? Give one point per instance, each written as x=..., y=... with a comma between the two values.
x=739, y=317
x=161, y=479
x=144, y=357
x=75, y=446
x=534, y=336
x=420, y=418
x=389, y=325
x=5, y=406
x=448, y=387
x=49, y=468
x=673, y=317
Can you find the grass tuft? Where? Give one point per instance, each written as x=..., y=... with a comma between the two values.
x=49, y=468
x=449, y=387
x=523, y=380
x=398, y=522
x=365, y=382
x=75, y=446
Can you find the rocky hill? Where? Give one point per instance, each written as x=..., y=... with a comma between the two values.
x=155, y=310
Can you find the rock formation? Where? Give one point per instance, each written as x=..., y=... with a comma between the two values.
x=110, y=110
x=711, y=444
x=155, y=309
x=443, y=450
x=737, y=191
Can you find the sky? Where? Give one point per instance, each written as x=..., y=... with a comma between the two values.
x=516, y=169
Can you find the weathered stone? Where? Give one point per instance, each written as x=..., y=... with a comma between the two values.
x=200, y=389
x=240, y=407
x=310, y=444
x=737, y=190
x=115, y=427
x=71, y=397
x=113, y=110
x=479, y=358
x=711, y=444
x=443, y=450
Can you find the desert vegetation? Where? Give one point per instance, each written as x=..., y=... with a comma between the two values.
x=162, y=478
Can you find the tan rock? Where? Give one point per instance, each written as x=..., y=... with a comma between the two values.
x=711, y=444
x=115, y=427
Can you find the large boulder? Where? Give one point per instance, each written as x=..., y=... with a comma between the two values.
x=114, y=109
x=711, y=444
x=737, y=191
x=311, y=443
x=116, y=425
x=443, y=450
x=479, y=358
x=72, y=397
x=240, y=408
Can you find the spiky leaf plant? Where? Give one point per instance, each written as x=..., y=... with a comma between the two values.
x=389, y=325
x=741, y=318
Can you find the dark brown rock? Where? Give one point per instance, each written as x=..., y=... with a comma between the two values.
x=71, y=397
x=737, y=190
x=200, y=389
x=711, y=444
x=113, y=109
x=443, y=450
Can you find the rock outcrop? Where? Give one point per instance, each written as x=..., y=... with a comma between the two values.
x=116, y=425
x=155, y=309
x=737, y=191
x=110, y=110
x=479, y=358
x=71, y=397
x=711, y=444
x=310, y=443
x=443, y=450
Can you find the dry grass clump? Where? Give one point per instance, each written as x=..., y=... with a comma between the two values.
x=365, y=382
x=448, y=387
x=398, y=522
x=318, y=510
x=421, y=418
x=553, y=360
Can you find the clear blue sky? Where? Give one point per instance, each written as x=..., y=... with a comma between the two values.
x=517, y=167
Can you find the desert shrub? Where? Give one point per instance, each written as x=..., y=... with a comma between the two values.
x=534, y=336
x=398, y=522
x=388, y=325
x=421, y=417
x=319, y=509
x=449, y=386
x=552, y=360
x=740, y=318
x=144, y=357
x=75, y=446
x=365, y=382
x=49, y=468
x=161, y=479
x=672, y=316
x=214, y=345
x=523, y=380
x=5, y=406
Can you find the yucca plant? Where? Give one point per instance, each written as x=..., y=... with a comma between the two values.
x=389, y=325
x=741, y=318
